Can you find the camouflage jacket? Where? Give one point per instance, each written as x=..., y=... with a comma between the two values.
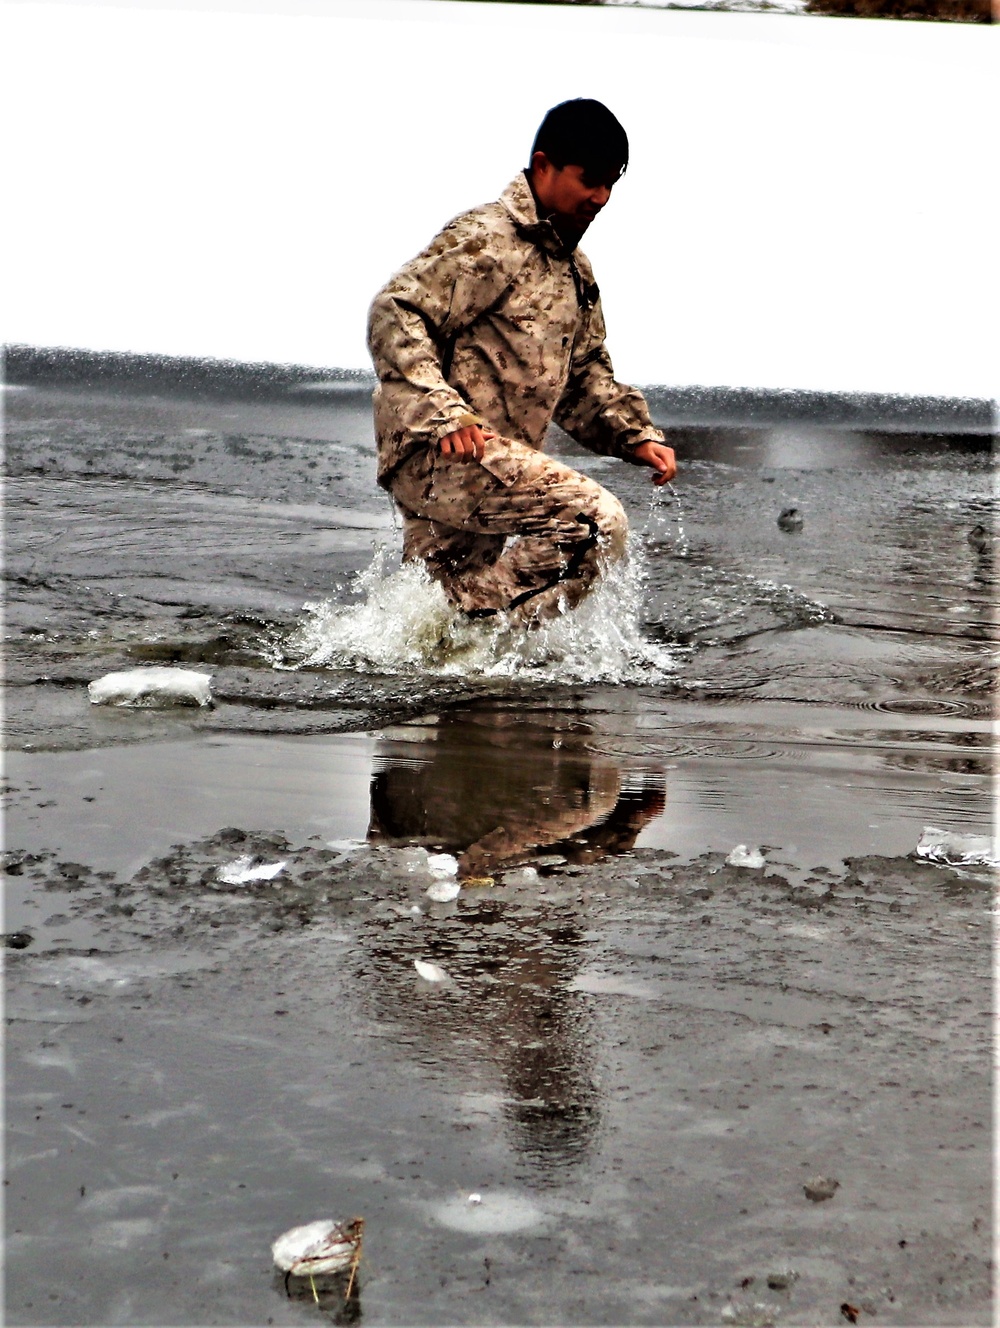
x=496, y=323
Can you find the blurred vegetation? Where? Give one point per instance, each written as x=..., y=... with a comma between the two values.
x=955, y=11
x=951, y=11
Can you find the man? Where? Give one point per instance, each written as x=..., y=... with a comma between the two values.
x=489, y=334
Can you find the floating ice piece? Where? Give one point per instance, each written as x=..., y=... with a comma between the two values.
x=979, y=538
x=960, y=850
x=319, y=1247
x=430, y=972
x=152, y=687
x=790, y=519
x=442, y=866
x=411, y=861
x=782, y=1278
x=474, y=1199
x=241, y=871
x=749, y=1314
x=520, y=876
x=742, y=856
x=443, y=891
x=820, y=1188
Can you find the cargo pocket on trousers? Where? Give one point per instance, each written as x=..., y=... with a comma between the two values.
x=500, y=460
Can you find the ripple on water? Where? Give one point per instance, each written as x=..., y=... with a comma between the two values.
x=922, y=705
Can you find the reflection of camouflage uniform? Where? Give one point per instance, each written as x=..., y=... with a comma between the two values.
x=497, y=324
x=433, y=793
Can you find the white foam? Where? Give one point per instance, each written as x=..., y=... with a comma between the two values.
x=405, y=624
x=152, y=687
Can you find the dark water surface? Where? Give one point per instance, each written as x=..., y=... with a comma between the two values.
x=642, y=1053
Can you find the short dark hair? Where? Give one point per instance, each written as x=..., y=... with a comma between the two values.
x=583, y=133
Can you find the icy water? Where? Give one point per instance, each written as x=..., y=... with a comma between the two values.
x=641, y=1052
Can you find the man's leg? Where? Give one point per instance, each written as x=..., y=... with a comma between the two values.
x=519, y=532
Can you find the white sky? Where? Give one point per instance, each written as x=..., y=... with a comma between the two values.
x=810, y=203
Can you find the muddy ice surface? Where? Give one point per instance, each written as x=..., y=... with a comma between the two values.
x=685, y=1092
x=637, y=1063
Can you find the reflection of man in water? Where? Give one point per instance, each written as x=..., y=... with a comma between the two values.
x=543, y=793
x=489, y=334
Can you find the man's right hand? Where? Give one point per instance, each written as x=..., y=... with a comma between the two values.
x=466, y=444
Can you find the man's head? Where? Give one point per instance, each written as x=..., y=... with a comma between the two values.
x=579, y=152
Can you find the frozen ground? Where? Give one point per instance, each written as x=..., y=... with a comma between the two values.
x=642, y=1055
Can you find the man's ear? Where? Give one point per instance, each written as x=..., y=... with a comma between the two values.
x=540, y=164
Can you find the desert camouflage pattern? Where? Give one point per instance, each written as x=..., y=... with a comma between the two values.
x=458, y=515
x=497, y=323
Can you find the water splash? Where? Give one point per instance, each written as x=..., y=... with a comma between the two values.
x=657, y=533
x=405, y=624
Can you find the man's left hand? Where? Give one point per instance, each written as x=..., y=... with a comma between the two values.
x=660, y=457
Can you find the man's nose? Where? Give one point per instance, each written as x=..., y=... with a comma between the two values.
x=601, y=195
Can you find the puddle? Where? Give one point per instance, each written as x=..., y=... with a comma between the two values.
x=578, y=784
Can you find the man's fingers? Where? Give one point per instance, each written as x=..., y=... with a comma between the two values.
x=663, y=462
x=467, y=444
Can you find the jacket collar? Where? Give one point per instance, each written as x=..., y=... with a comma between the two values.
x=519, y=201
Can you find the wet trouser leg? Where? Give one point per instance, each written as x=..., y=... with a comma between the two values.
x=518, y=532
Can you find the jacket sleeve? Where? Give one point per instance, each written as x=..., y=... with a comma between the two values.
x=604, y=415
x=415, y=318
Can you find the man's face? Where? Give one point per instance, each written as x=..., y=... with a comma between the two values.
x=569, y=193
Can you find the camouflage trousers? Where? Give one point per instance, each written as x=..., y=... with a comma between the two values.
x=516, y=533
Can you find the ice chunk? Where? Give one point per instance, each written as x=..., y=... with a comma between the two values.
x=782, y=1278
x=520, y=876
x=750, y=1314
x=152, y=687
x=443, y=891
x=319, y=1247
x=442, y=865
x=430, y=972
x=742, y=856
x=410, y=861
x=820, y=1188
x=241, y=871
x=959, y=850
